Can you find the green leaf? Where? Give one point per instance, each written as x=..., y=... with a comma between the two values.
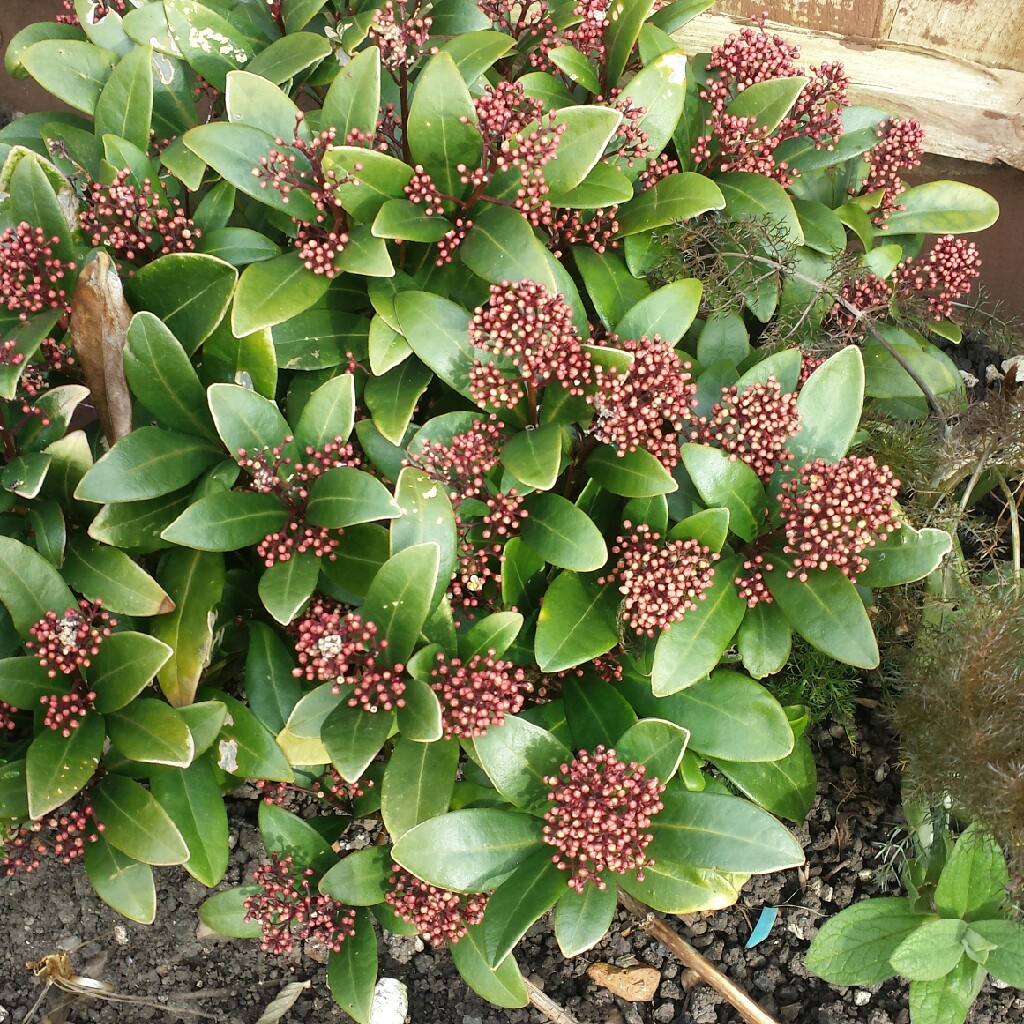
x=367, y=179
x=403, y=219
x=426, y=517
x=121, y=882
x=826, y=611
x=517, y=758
x=194, y=580
x=287, y=835
x=286, y=586
x=420, y=718
x=289, y=56
x=1006, y=961
x=239, y=246
x=587, y=131
x=344, y=496
x=124, y=667
x=354, y=96
x=247, y=743
x=931, y=950
x=30, y=586
x=35, y=33
x=188, y=291
x=942, y=207
x=754, y=197
x=576, y=67
x=676, y=198
x=529, y=892
x=151, y=732
x=103, y=573
x=562, y=534
x=469, y=850
x=73, y=70
x=441, y=130
x=204, y=721
x=245, y=420
x=257, y=102
x=656, y=744
x=147, y=463
x=906, y=556
x=710, y=527
x=503, y=985
x=785, y=787
x=300, y=738
x=353, y=737
x=582, y=919
x=163, y=379
x=974, y=879
x=56, y=768
x=225, y=913
x=400, y=599
x=438, y=332
x=947, y=1000
x=493, y=634
x=418, y=783
x=823, y=230
x=193, y=801
x=731, y=484
x=319, y=338
x=668, y=313
x=23, y=681
x=273, y=291
x=577, y=623
x=854, y=946
x=886, y=378
x=270, y=687
x=611, y=287
x=392, y=397
x=623, y=28
x=136, y=824
x=359, y=879
x=727, y=833
x=226, y=521
x=13, y=794
x=211, y=44
x=636, y=474
x=125, y=106
x=475, y=52
x=829, y=404
x=534, y=456
x=764, y=640
x=352, y=970
x=767, y=102
x=298, y=13
x=597, y=713
x=679, y=888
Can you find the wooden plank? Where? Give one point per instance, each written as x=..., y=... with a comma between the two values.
x=847, y=17
x=969, y=111
x=990, y=32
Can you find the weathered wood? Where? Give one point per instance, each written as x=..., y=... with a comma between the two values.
x=847, y=17
x=990, y=32
x=969, y=111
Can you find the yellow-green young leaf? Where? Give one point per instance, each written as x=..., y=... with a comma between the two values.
x=57, y=767
x=354, y=95
x=73, y=70
x=502, y=985
x=255, y=101
x=597, y=713
x=359, y=879
x=562, y=534
x=785, y=787
x=136, y=824
x=517, y=757
x=192, y=799
x=352, y=970
x=151, y=732
x=418, y=783
x=124, y=667
x=577, y=622
x=1006, y=961
x=931, y=950
x=225, y=913
x=121, y=882
x=29, y=585
x=948, y=999
x=105, y=574
x=974, y=879
x=854, y=946
x=942, y=207
x=36, y=33
x=710, y=527
x=677, y=888
x=125, y=106
x=583, y=919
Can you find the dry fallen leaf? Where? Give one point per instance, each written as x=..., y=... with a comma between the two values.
x=286, y=999
x=98, y=333
x=634, y=984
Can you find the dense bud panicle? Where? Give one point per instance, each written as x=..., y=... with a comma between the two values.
x=832, y=511
x=401, y=34
x=753, y=425
x=660, y=583
x=31, y=275
x=60, y=835
x=871, y=297
x=478, y=694
x=941, y=276
x=601, y=810
x=751, y=585
x=439, y=915
x=67, y=642
x=461, y=466
x=7, y=713
x=647, y=405
x=899, y=149
x=289, y=912
x=100, y=11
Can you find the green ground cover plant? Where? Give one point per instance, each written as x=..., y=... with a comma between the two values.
x=404, y=407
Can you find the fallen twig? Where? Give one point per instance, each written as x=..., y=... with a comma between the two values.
x=540, y=1001
x=748, y=1009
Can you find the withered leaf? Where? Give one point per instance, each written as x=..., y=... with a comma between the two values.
x=634, y=984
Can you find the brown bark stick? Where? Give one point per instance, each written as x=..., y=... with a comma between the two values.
x=548, y=1006
x=710, y=975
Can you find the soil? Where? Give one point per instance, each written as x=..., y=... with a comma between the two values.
x=849, y=837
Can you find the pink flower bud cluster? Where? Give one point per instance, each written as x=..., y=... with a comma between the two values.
x=601, y=810
x=65, y=711
x=333, y=644
x=942, y=276
x=832, y=511
x=750, y=583
x=101, y=10
x=330, y=788
x=808, y=364
x=287, y=910
x=869, y=295
x=7, y=713
x=400, y=34
x=607, y=668
x=630, y=142
x=588, y=35
x=461, y=466
x=66, y=643
x=61, y=835
x=647, y=405
x=136, y=224
x=660, y=583
x=530, y=328
x=753, y=425
x=339, y=792
x=528, y=23
x=478, y=694
x=900, y=146
x=439, y=915
x=31, y=275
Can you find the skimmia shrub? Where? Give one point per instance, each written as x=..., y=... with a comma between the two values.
x=358, y=440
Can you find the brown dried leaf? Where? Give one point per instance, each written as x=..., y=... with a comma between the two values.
x=634, y=984
x=98, y=333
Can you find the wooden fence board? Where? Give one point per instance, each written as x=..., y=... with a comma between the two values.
x=847, y=17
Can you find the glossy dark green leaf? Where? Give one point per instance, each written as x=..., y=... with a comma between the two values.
x=710, y=527
x=204, y=720
x=656, y=744
x=289, y=56
x=437, y=330
x=475, y=52
x=676, y=198
x=418, y=783
x=785, y=787
x=667, y=312
x=125, y=106
x=517, y=757
x=239, y=246
x=193, y=801
x=13, y=795
x=120, y=881
x=73, y=70
x=353, y=737
x=103, y=573
x=352, y=971
x=611, y=287
x=329, y=413
x=731, y=484
x=576, y=67
x=57, y=767
x=29, y=585
x=493, y=634
x=587, y=130
x=577, y=623
x=136, y=824
x=246, y=747
x=829, y=404
x=563, y=534
x=755, y=197
x=764, y=640
x=287, y=835
x=469, y=850
x=426, y=517
x=597, y=713
x=354, y=96
x=319, y=338
x=226, y=521
x=503, y=985
x=124, y=667
x=906, y=556
x=273, y=291
x=270, y=687
x=534, y=457
x=344, y=497
x=151, y=732
x=768, y=102
x=582, y=919
x=135, y=526
x=400, y=599
x=286, y=586
x=23, y=682
x=420, y=719
x=636, y=474
x=392, y=397
x=359, y=879
x=623, y=28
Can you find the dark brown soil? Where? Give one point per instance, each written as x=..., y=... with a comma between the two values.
x=848, y=838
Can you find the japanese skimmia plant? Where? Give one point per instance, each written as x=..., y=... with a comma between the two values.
x=360, y=440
